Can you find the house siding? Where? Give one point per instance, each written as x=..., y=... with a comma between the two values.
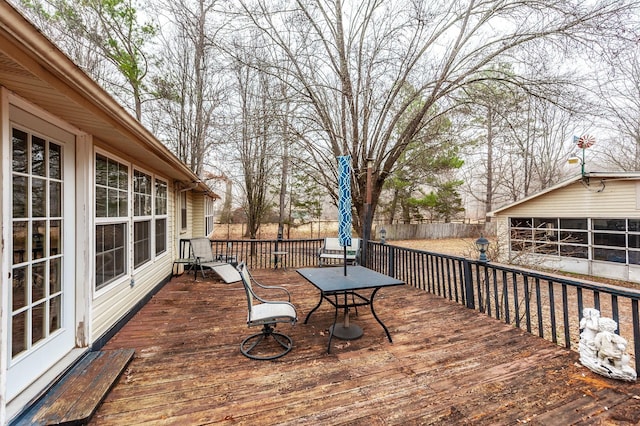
x=618, y=199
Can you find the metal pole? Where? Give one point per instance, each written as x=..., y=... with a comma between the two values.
x=367, y=212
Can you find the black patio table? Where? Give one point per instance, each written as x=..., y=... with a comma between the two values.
x=341, y=291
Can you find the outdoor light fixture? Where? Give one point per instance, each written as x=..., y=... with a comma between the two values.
x=482, y=244
x=383, y=235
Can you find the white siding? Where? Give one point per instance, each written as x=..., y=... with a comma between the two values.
x=618, y=199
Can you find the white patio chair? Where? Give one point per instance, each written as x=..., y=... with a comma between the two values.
x=268, y=314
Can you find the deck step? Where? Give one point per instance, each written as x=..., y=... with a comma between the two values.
x=75, y=398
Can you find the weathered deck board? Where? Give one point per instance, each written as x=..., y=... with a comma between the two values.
x=76, y=397
x=446, y=365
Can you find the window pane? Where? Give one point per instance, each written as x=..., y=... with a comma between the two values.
x=101, y=202
x=142, y=242
x=54, y=276
x=19, y=294
x=38, y=156
x=161, y=235
x=101, y=170
x=573, y=251
x=615, y=240
x=110, y=261
x=55, y=241
x=549, y=248
x=19, y=333
x=123, y=207
x=634, y=240
x=618, y=256
x=55, y=314
x=38, y=197
x=19, y=151
x=38, y=323
x=574, y=237
x=19, y=242
x=55, y=199
x=634, y=257
x=37, y=239
x=573, y=223
x=38, y=287
x=183, y=210
x=161, y=197
x=634, y=225
x=55, y=155
x=545, y=223
x=520, y=222
x=20, y=196
x=609, y=224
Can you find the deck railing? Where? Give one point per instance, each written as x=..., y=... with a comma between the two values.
x=545, y=305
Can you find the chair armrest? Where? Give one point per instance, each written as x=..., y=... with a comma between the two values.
x=271, y=287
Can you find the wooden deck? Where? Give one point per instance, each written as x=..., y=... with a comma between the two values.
x=446, y=365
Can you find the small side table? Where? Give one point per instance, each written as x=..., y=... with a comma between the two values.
x=186, y=264
x=280, y=258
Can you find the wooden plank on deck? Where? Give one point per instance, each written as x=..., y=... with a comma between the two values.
x=76, y=397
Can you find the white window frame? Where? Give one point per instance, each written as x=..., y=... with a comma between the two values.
x=160, y=215
x=142, y=217
x=113, y=220
x=132, y=217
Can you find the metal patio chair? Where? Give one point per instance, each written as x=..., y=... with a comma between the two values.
x=203, y=258
x=268, y=314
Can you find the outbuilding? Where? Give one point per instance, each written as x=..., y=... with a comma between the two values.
x=589, y=224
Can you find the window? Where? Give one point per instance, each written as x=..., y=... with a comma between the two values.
x=161, y=216
x=208, y=215
x=127, y=199
x=183, y=210
x=112, y=180
x=142, y=216
x=611, y=240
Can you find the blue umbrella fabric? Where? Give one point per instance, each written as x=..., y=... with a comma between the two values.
x=344, y=200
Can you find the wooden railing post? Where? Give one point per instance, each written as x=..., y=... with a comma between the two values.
x=468, y=284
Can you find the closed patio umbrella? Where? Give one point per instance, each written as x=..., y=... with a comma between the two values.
x=344, y=204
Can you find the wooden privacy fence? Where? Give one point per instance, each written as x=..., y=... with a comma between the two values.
x=547, y=306
x=434, y=231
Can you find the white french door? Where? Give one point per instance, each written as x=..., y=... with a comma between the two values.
x=42, y=282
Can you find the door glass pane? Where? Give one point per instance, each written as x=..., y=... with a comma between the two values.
x=19, y=333
x=55, y=314
x=38, y=281
x=55, y=282
x=55, y=234
x=38, y=197
x=19, y=242
x=37, y=238
x=19, y=294
x=19, y=149
x=55, y=199
x=55, y=157
x=20, y=197
x=38, y=156
x=38, y=323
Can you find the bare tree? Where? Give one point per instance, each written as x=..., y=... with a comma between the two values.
x=351, y=59
x=111, y=28
x=620, y=94
x=187, y=83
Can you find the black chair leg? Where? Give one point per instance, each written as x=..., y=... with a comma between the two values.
x=252, y=342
